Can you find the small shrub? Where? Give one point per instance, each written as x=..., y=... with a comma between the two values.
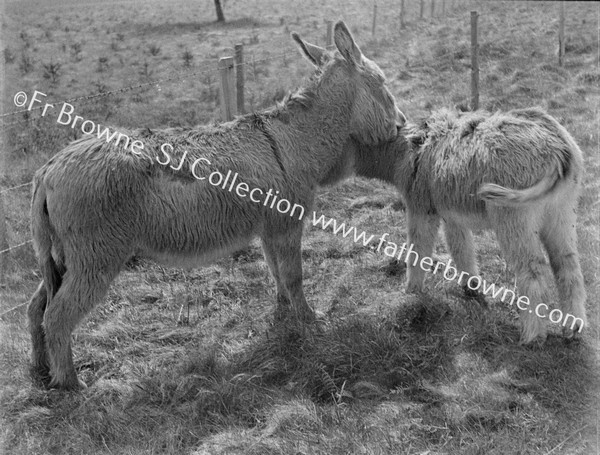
x=26, y=64
x=9, y=56
x=52, y=71
x=120, y=37
x=25, y=38
x=154, y=50
x=76, y=51
x=100, y=87
x=145, y=70
x=589, y=77
x=187, y=58
x=102, y=64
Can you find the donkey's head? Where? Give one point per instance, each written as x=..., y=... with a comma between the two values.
x=350, y=79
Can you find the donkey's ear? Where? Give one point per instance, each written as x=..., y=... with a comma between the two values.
x=345, y=44
x=316, y=54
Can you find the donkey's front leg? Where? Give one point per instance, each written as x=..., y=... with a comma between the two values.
x=422, y=232
x=283, y=254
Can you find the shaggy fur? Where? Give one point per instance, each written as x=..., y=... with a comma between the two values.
x=518, y=173
x=95, y=205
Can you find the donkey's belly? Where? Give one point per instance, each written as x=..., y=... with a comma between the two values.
x=193, y=258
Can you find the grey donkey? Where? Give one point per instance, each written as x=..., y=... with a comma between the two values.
x=96, y=204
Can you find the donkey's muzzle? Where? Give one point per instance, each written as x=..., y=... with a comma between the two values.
x=400, y=119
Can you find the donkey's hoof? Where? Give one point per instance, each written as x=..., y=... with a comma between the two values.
x=413, y=289
x=321, y=320
x=72, y=384
x=40, y=376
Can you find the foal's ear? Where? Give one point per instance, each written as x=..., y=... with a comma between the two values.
x=315, y=54
x=346, y=45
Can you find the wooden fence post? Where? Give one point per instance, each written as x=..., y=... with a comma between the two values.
x=228, y=108
x=374, y=17
x=239, y=78
x=443, y=7
x=561, y=34
x=402, y=14
x=329, y=39
x=474, y=63
x=432, y=8
x=421, y=9
x=3, y=240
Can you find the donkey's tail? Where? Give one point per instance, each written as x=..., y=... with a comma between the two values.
x=42, y=233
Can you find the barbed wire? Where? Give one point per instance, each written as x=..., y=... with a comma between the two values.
x=21, y=305
x=14, y=187
x=134, y=86
x=15, y=247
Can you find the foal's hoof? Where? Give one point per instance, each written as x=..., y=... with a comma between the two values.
x=534, y=340
x=475, y=295
x=571, y=335
x=395, y=268
x=321, y=320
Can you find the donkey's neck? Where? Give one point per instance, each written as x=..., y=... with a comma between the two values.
x=379, y=162
x=313, y=137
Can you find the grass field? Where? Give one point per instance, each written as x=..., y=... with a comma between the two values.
x=187, y=361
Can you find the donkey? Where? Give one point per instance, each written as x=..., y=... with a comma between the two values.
x=96, y=204
x=518, y=173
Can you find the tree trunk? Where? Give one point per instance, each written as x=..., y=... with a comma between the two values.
x=219, y=8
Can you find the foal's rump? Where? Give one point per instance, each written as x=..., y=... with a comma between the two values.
x=470, y=159
x=536, y=143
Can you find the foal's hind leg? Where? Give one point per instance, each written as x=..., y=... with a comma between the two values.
x=459, y=240
x=560, y=239
x=422, y=232
x=35, y=312
x=78, y=294
x=282, y=250
x=516, y=232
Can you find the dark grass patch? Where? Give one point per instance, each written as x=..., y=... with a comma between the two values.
x=325, y=363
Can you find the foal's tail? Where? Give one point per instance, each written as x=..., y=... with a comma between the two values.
x=567, y=166
x=500, y=195
x=42, y=233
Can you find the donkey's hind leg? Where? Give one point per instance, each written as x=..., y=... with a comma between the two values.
x=78, y=294
x=282, y=250
x=516, y=232
x=560, y=239
x=40, y=368
x=282, y=298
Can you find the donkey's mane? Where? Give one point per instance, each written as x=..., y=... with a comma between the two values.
x=208, y=140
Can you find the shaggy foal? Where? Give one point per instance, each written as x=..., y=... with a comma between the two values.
x=518, y=173
x=96, y=204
